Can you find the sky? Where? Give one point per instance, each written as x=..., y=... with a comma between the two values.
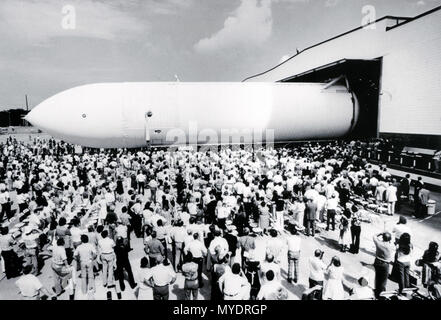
x=47, y=46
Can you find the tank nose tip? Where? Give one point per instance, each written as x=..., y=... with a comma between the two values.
x=30, y=116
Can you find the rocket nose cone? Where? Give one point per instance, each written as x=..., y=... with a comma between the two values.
x=39, y=117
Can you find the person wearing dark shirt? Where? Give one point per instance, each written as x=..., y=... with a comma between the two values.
x=405, y=186
x=430, y=257
x=210, y=235
x=355, y=230
x=154, y=249
x=418, y=185
x=310, y=214
x=401, y=266
x=219, y=268
x=252, y=267
x=210, y=212
x=111, y=218
x=231, y=240
x=344, y=196
x=123, y=263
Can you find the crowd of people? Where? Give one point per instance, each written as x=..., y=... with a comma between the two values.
x=220, y=218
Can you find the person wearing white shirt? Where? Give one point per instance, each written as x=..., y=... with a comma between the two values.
x=121, y=231
x=321, y=203
x=293, y=241
x=106, y=247
x=30, y=286
x=331, y=209
x=222, y=213
x=269, y=264
x=140, y=179
x=85, y=254
x=109, y=196
x=362, y=291
x=391, y=198
x=234, y=285
x=218, y=241
x=198, y=251
x=268, y=291
x=76, y=233
x=316, y=269
x=177, y=235
x=161, y=277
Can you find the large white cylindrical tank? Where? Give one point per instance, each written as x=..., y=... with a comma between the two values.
x=113, y=114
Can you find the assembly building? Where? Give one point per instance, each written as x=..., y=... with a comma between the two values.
x=394, y=67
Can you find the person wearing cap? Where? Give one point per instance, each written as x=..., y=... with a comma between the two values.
x=30, y=238
x=234, y=285
x=384, y=251
x=160, y=277
x=190, y=272
x=362, y=291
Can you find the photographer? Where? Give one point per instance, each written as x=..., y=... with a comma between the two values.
x=384, y=250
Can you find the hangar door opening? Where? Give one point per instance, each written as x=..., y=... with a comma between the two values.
x=364, y=78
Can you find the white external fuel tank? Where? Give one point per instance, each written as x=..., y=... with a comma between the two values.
x=128, y=115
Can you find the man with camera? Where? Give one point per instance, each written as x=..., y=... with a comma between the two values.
x=384, y=250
